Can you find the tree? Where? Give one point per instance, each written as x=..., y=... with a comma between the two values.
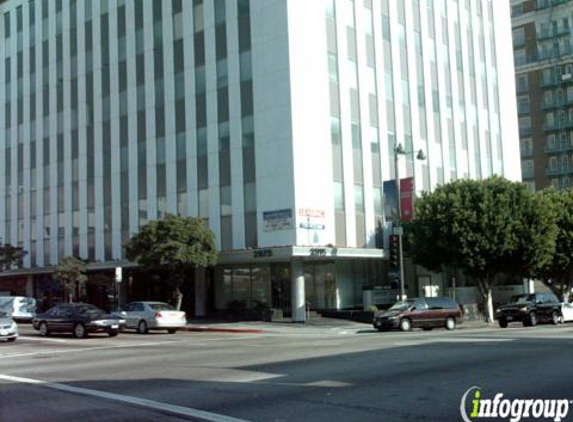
x=174, y=245
x=10, y=256
x=484, y=228
x=71, y=273
x=557, y=273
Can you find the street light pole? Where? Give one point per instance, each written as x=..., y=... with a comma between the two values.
x=399, y=150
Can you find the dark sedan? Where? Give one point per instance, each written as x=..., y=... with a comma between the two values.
x=77, y=318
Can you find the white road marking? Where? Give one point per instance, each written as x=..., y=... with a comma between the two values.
x=150, y=404
x=85, y=349
x=328, y=384
x=58, y=340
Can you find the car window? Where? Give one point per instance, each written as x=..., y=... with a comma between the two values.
x=89, y=311
x=421, y=304
x=129, y=307
x=64, y=312
x=138, y=307
x=161, y=306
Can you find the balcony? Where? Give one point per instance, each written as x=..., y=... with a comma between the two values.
x=544, y=4
x=553, y=149
x=553, y=104
x=548, y=34
x=526, y=152
x=557, y=171
x=552, y=54
x=523, y=108
x=558, y=125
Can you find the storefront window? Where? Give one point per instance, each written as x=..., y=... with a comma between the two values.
x=223, y=287
x=320, y=285
x=242, y=285
x=261, y=277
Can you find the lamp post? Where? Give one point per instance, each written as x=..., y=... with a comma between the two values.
x=399, y=150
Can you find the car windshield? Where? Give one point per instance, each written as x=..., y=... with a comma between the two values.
x=522, y=298
x=402, y=306
x=161, y=307
x=90, y=311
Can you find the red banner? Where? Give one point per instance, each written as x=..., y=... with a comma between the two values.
x=407, y=198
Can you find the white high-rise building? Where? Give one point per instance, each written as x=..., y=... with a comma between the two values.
x=274, y=120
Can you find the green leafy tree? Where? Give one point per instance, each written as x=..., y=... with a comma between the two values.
x=71, y=273
x=557, y=274
x=173, y=245
x=10, y=256
x=484, y=228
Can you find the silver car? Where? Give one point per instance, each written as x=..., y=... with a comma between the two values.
x=8, y=328
x=145, y=316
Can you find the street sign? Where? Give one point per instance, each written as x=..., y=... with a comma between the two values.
x=398, y=231
x=118, y=274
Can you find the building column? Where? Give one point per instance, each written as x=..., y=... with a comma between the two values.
x=200, y=293
x=298, y=298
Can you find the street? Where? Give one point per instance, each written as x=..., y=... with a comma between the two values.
x=366, y=376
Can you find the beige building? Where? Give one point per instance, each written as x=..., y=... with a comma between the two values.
x=544, y=87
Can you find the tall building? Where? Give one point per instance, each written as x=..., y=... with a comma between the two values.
x=275, y=121
x=543, y=51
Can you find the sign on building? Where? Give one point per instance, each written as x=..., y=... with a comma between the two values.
x=277, y=220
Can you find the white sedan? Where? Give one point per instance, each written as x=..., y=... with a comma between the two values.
x=145, y=316
x=566, y=312
x=8, y=328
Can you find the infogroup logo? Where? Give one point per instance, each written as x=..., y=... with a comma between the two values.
x=513, y=410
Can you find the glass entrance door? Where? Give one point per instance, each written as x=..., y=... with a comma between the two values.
x=280, y=287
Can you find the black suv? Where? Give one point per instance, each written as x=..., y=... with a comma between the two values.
x=529, y=309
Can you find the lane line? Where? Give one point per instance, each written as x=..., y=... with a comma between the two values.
x=86, y=349
x=149, y=404
x=57, y=340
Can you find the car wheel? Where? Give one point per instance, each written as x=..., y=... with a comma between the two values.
x=405, y=324
x=502, y=323
x=142, y=327
x=43, y=329
x=172, y=330
x=12, y=339
x=112, y=333
x=450, y=323
x=555, y=318
x=80, y=331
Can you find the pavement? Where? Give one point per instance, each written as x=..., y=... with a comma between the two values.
x=315, y=325
x=297, y=374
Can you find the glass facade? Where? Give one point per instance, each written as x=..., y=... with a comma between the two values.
x=105, y=122
x=328, y=284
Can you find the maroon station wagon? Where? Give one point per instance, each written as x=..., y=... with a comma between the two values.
x=424, y=312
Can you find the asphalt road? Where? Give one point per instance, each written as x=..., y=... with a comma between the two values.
x=416, y=376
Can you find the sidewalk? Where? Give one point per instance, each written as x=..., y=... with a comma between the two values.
x=316, y=325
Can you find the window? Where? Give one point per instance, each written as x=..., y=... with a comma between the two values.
x=7, y=25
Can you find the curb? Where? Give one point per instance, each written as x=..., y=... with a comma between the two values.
x=203, y=329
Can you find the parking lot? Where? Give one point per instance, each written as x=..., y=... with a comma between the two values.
x=283, y=376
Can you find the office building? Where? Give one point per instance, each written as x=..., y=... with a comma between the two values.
x=273, y=120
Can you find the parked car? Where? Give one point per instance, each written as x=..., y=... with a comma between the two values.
x=8, y=328
x=20, y=308
x=566, y=310
x=77, y=318
x=145, y=316
x=424, y=312
x=529, y=309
